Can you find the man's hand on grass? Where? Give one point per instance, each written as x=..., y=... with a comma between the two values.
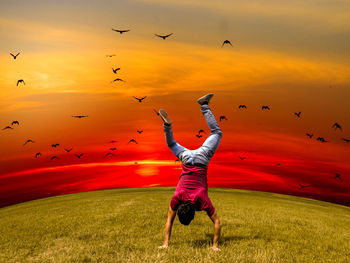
x=215, y=248
x=163, y=246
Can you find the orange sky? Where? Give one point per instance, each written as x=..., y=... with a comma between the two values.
x=293, y=57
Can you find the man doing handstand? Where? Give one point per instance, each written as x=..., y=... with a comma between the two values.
x=191, y=192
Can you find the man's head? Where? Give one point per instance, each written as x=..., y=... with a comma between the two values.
x=185, y=212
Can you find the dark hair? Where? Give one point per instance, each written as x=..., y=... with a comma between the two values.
x=185, y=212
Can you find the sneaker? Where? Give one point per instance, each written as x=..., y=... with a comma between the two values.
x=205, y=98
x=164, y=116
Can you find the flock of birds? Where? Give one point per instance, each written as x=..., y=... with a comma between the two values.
x=198, y=135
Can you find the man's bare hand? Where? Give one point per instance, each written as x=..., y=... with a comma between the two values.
x=215, y=248
x=163, y=246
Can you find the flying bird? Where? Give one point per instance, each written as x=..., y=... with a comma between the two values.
x=226, y=42
x=117, y=79
x=265, y=108
x=345, y=140
x=113, y=149
x=242, y=106
x=54, y=157
x=303, y=186
x=37, y=155
x=140, y=99
x=113, y=141
x=109, y=56
x=15, y=122
x=55, y=145
x=20, y=81
x=107, y=154
x=164, y=37
x=309, y=135
x=80, y=116
x=120, y=31
x=115, y=70
x=321, y=139
x=337, y=126
x=156, y=112
x=14, y=56
x=79, y=155
x=297, y=114
x=200, y=131
x=337, y=176
x=222, y=118
x=68, y=150
x=29, y=140
x=199, y=136
x=140, y=131
x=132, y=140
x=8, y=127
x=242, y=158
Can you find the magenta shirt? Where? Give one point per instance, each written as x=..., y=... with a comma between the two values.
x=192, y=187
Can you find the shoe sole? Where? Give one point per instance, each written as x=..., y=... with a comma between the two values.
x=206, y=97
x=164, y=115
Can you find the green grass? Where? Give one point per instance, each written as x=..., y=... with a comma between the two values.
x=126, y=225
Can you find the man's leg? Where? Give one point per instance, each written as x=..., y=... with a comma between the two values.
x=176, y=148
x=211, y=144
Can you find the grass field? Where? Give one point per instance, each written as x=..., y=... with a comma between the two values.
x=126, y=225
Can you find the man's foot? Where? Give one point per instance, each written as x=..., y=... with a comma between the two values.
x=164, y=116
x=205, y=99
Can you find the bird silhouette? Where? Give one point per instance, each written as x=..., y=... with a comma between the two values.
x=20, y=81
x=108, y=154
x=109, y=56
x=226, y=42
x=79, y=155
x=113, y=149
x=115, y=70
x=140, y=131
x=113, y=141
x=37, y=155
x=80, y=116
x=8, y=127
x=338, y=176
x=68, y=150
x=242, y=158
x=200, y=131
x=140, y=99
x=309, y=135
x=303, y=186
x=345, y=140
x=222, y=118
x=117, y=79
x=54, y=157
x=297, y=114
x=156, y=112
x=55, y=145
x=28, y=141
x=265, y=108
x=163, y=36
x=120, y=31
x=132, y=140
x=321, y=139
x=242, y=106
x=337, y=126
x=15, y=122
x=14, y=56
x=199, y=136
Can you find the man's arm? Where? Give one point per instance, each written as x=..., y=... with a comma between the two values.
x=217, y=230
x=168, y=226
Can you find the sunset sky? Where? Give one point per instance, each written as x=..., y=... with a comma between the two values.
x=291, y=56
